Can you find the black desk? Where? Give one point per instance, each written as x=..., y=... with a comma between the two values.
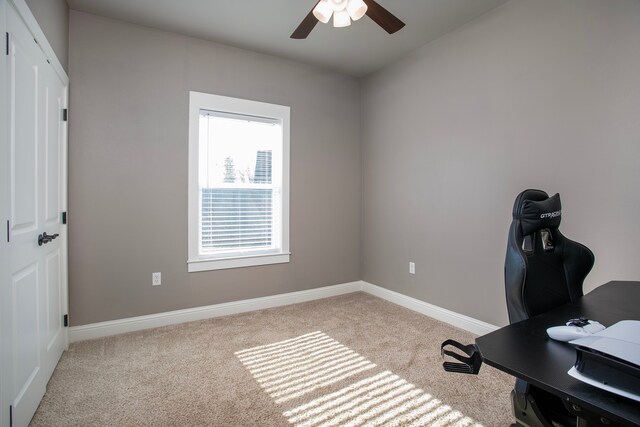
x=525, y=351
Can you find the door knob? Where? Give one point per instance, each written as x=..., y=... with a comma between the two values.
x=45, y=238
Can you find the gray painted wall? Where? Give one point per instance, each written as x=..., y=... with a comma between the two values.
x=538, y=94
x=535, y=94
x=53, y=18
x=128, y=169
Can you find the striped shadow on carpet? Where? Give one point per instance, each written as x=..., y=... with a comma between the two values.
x=292, y=368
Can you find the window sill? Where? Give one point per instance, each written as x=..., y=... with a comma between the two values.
x=236, y=262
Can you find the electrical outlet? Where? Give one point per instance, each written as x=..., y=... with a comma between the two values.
x=412, y=267
x=156, y=279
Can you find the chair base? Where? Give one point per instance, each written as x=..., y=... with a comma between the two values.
x=533, y=407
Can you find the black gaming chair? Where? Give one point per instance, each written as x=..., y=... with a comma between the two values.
x=543, y=269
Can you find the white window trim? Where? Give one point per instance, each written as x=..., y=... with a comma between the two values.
x=204, y=101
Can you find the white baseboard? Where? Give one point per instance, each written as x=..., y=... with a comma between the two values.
x=455, y=319
x=131, y=324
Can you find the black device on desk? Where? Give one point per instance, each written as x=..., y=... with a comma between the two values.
x=544, y=274
x=610, y=359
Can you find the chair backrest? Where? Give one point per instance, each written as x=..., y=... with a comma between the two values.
x=543, y=269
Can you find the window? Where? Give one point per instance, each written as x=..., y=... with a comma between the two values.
x=238, y=182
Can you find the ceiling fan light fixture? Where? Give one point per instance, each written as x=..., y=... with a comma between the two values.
x=338, y=5
x=356, y=9
x=341, y=19
x=323, y=11
x=343, y=11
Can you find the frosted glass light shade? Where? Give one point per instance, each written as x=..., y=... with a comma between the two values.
x=356, y=9
x=341, y=19
x=323, y=11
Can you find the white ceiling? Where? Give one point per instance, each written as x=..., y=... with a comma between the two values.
x=265, y=26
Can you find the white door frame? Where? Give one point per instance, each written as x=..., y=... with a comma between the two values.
x=5, y=352
x=5, y=202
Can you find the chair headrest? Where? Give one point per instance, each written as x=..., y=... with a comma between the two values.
x=537, y=214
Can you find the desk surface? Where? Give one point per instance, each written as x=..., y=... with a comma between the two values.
x=525, y=351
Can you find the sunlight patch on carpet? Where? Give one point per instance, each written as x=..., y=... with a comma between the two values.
x=292, y=368
x=381, y=400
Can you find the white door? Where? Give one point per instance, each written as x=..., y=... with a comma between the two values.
x=37, y=282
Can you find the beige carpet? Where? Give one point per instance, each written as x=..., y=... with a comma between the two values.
x=349, y=360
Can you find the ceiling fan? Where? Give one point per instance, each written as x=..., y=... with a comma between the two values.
x=343, y=12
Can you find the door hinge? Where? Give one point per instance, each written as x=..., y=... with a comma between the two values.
x=64, y=217
x=7, y=43
x=65, y=113
x=8, y=229
x=65, y=320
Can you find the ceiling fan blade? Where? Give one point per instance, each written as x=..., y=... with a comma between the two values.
x=307, y=24
x=383, y=17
